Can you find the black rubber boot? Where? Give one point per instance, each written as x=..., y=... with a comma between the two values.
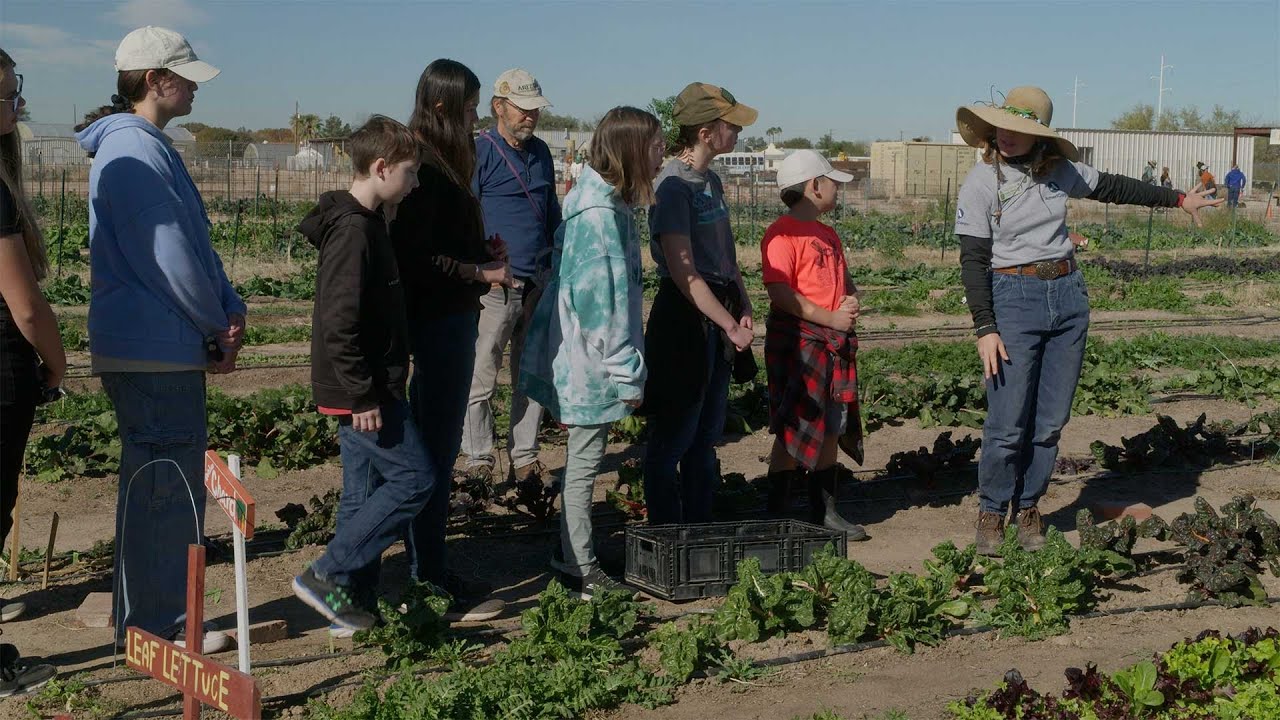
x=779, y=502
x=822, y=504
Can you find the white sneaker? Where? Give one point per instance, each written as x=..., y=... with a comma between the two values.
x=340, y=632
x=214, y=641
x=12, y=611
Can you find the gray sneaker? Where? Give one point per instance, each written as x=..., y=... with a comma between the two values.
x=596, y=581
x=18, y=677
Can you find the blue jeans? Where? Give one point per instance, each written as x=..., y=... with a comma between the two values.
x=444, y=355
x=1233, y=197
x=161, y=497
x=1043, y=324
x=386, y=481
x=688, y=437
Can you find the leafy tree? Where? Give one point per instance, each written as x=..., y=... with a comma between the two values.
x=1187, y=118
x=797, y=143
x=664, y=110
x=275, y=135
x=754, y=144
x=304, y=126
x=24, y=114
x=333, y=127
x=1138, y=117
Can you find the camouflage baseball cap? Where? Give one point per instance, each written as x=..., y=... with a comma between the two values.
x=701, y=103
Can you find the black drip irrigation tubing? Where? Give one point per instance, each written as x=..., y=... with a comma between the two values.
x=291, y=698
x=608, y=520
x=475, y=633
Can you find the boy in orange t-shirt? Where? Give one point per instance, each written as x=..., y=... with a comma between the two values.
x=810, y=345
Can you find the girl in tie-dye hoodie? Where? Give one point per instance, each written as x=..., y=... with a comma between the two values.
x=584, y=352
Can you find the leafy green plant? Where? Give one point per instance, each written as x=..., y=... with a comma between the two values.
x=1166, y=445
x=413, y=636
x=314, y=527
x=684, y=649
x=628, y=495
x=67, y=290
x=1211, y=676
x=1037, y=592
x=760, y=606
x=1226, y=553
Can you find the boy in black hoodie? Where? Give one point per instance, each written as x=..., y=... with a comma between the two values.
x=359, y=366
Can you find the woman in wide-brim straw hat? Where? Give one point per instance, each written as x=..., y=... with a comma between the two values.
x=1028, y=300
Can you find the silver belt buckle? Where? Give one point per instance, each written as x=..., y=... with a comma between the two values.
x=1048, y=269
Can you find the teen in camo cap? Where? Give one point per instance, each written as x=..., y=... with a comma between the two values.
x=1018, y=269
x=701, y=314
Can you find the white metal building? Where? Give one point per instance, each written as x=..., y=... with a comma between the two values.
x=1126, y=152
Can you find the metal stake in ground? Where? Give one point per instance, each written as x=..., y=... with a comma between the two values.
x=1151, y=219
x=62, y=215
x=48, y=552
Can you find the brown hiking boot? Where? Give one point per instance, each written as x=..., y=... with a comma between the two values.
x=534, y=469
x=1030, y=528
x=990, y=533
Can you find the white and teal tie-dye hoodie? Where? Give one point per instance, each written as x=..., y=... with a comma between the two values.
x=584, y=351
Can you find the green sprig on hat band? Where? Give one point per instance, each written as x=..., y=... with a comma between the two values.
x=1021, y=112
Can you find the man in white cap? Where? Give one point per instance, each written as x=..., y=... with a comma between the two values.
x=515, y=181
x=810, y=345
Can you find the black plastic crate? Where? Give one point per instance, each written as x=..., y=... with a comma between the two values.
x=686, y=562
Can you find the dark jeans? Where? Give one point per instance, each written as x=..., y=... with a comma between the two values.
x=161, y=498
x=1233, y=197
x=444, y=356
x=688, y=437
x=19, y=386
x=386, y=481
x=1043, y=324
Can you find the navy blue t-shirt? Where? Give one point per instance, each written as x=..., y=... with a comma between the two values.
x=527, y=227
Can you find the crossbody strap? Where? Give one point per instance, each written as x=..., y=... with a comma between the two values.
x=511, y=166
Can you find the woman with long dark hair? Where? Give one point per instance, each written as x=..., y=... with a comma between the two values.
x=446, y=266
x=31, y=354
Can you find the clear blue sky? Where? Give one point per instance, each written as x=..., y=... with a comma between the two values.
x=862, y=70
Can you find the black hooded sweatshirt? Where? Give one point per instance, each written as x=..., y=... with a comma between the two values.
x=359, y=335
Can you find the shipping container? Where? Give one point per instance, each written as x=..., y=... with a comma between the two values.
x=918, y=169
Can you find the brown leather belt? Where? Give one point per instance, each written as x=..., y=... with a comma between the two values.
x=1045, y=269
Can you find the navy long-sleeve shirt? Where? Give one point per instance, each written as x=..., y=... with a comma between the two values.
x=526, y=223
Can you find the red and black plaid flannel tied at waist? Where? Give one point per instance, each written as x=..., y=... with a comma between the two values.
x=809, y=367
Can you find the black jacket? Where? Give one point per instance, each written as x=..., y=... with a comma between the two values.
x=359, y=335
x=437, y=227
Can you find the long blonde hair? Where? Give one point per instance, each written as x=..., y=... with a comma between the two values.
x=11, y=176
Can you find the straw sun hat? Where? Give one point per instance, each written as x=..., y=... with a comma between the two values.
x=1026, y=109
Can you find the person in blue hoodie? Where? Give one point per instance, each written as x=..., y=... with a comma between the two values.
x=162, y=312
x=584, y=352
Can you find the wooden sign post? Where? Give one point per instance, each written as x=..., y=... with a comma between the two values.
x=201, y=680
x=224, y=487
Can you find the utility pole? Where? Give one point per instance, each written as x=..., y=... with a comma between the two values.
x=1163, y=89
x=1075, y=99
x=296, y=115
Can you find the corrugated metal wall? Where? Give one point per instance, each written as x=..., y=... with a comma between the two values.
x=1127, y=152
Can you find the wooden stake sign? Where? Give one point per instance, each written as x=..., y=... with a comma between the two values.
x=230, y=495
x=200, y=679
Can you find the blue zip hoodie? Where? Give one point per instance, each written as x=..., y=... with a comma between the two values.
x=158, y=287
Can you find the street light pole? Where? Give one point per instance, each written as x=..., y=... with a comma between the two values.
x=1163, y=89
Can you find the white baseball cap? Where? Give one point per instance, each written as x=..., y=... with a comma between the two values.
x=520, y=89
x=153, y=48
x=804, y=165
